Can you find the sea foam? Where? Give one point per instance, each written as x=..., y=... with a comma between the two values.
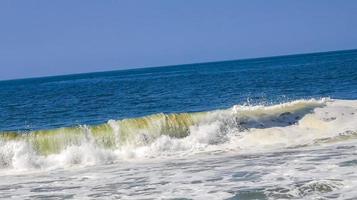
x=242, y=128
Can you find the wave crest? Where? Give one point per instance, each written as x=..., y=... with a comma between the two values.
x=295, y=123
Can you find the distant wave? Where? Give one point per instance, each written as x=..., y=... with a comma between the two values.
x=240, y=128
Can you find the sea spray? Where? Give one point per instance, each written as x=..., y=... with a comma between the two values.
x=296, y=123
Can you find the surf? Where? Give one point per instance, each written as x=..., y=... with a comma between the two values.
x=239, y=128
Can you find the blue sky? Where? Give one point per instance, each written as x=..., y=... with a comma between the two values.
x=42, y=38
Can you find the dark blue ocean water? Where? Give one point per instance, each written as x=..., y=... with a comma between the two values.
x=94, y=98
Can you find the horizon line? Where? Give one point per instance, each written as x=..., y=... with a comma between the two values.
x=173, y=65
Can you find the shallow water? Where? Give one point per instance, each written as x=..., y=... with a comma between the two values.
x=326, y=171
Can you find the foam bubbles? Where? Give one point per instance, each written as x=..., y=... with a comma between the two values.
x=240, y=129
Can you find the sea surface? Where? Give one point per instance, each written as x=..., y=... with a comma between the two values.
x=268, y=128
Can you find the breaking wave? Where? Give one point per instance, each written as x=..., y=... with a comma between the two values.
x=240, y=128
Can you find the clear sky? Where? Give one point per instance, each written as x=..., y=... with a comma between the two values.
x=42, y=38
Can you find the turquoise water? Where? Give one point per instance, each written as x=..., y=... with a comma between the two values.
x=268, y=128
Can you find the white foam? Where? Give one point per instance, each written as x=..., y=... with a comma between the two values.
x=240, y=129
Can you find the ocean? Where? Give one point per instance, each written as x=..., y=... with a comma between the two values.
x=268, y=128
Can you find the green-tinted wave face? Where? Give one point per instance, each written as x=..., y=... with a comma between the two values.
x=48, y=141
x=135, y=131
x=150, y=127
x=145, y=130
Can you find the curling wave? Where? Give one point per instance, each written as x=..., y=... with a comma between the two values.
x=292, y=124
